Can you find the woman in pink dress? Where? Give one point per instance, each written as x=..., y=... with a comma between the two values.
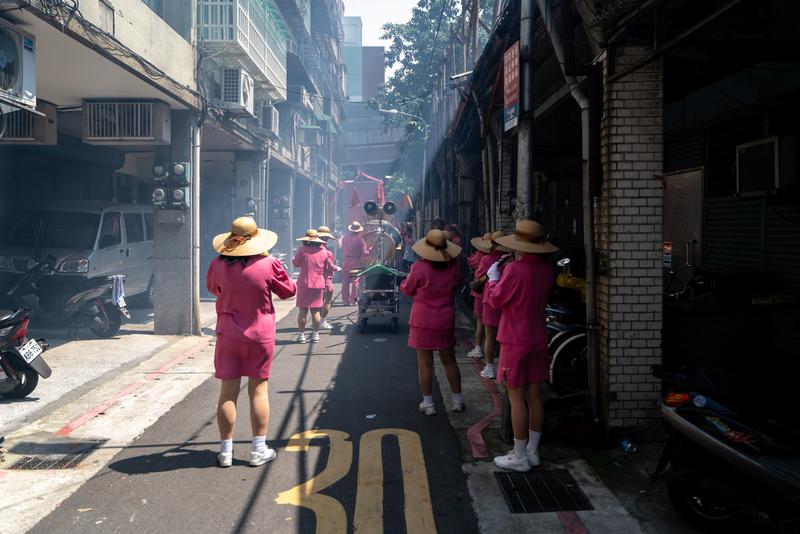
x=432, y=283
x=354, y=252
x=243, y=278
x=314, y=260
x=327, y=299
x=491, y=315
x=521, y=292
x=482, y=246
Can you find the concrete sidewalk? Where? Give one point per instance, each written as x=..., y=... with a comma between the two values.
x=617, y=484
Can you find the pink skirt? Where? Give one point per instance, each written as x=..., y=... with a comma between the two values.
x=491, y=316
x=235, y=358
x=477, y=308
x=309, y=298
x=429, y=339
x=521, y=365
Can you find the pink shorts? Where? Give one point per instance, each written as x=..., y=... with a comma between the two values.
x=235, y=358
x=429, y=339
x=477, y=308
x=309, y=298
x=491, y=316
x=521, y=365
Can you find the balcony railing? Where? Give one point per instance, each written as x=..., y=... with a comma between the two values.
x=247, y=31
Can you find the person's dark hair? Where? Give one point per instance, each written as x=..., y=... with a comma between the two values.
x=437, y=224
x=230, y=260
x=441, y=265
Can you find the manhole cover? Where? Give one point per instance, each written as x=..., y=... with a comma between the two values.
x=545, y=490
x=54, y=455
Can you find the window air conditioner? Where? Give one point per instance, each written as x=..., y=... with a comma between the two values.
x=766, y=165
x=23, y=127
x=270, y=119
x=311, y=136
x=17, y=65
x=238, y=92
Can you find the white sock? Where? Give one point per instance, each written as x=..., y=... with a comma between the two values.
x=520, y=446
x=427, y=400
x=458, y=397
x=533, y=440
x=259, y=444
x=489, y=366
x=226, y=446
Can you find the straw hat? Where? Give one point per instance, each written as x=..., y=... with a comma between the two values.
x=355, y=227
x=528, y=237
x=312, y=236
x=496, y=245
x=436, y=247
x=484, y=244
x=244, y=239
x=324, y=232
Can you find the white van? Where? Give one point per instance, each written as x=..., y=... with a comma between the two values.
x=88, y=240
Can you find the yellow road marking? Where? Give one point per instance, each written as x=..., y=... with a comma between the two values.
x=331, y=517
x=369, y=499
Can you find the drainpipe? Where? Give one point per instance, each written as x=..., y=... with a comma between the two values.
x=524, y=134
x=196, y=137
x=579, y=95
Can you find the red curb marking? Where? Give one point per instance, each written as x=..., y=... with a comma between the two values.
x=105, y=405
x=3, y=473
x=572, y=523
x=475, y=432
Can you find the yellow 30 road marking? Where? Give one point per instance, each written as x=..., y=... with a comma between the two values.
x=331, y=517
x=369, y=499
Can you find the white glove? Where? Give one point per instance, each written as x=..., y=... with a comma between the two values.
x=494, y=272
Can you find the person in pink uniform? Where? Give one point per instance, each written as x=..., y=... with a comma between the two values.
x=244, y=278
x=521, y=292
x=482, y=246
x=354, y=252
x=432, y=283
x=314, y=260
x=327, y=298
x=490, y=314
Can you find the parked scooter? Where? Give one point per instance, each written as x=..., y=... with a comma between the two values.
x=21, y=361
x=732, y=462
x=566, y=332
x=90, y=307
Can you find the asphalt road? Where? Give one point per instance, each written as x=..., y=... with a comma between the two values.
x=373, y=463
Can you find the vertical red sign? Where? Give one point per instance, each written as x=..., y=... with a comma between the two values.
x=511, y=87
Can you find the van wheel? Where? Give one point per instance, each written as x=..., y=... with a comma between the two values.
x=148, y=297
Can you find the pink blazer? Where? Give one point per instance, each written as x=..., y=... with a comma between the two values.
x=521, y=294
x=313, y=262
x=433, y=291
x=353, y=251
x=475, y=259
x=244, y=296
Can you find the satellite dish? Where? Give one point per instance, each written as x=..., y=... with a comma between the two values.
x=370, y=208
x=389, y=208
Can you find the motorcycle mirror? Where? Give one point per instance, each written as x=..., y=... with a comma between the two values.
x=563, y=262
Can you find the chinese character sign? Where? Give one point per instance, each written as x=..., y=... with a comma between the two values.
x=511, y=87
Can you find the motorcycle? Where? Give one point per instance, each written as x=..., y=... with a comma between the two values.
x=87, y=307
x=734, y=458
x=21, y=360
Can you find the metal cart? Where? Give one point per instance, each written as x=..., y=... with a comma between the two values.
x=379, y=295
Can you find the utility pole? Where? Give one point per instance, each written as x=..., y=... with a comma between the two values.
x=524, y=133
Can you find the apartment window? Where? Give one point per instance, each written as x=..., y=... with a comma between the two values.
x=107, y=16
x=155, y=5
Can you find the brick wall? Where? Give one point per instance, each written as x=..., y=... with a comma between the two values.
x=628, y=226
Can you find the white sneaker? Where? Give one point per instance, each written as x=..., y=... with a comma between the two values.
x=475, y=354
x=459, y=407
x=302, y=338
x=512, y=462
x=261, y=457
x=326, y=325
x=225, y=459
x=314, y=337
x=533, y=459
x=427, y=409
x=488, y=372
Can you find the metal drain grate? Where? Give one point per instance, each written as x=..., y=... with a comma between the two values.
x=545, y=490
x=70, y=455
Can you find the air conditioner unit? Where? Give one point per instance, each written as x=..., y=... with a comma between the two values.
x=238, y=91
x=766, y=165
x=299, y=96
x=17, y=65
x=23, y=127
x=126, y=123
x=310, y=136
x=270, y=119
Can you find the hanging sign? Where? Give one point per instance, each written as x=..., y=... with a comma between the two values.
x=667, y=254
x=511, y=87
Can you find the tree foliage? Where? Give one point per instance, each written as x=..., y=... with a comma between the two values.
x=398, y=185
